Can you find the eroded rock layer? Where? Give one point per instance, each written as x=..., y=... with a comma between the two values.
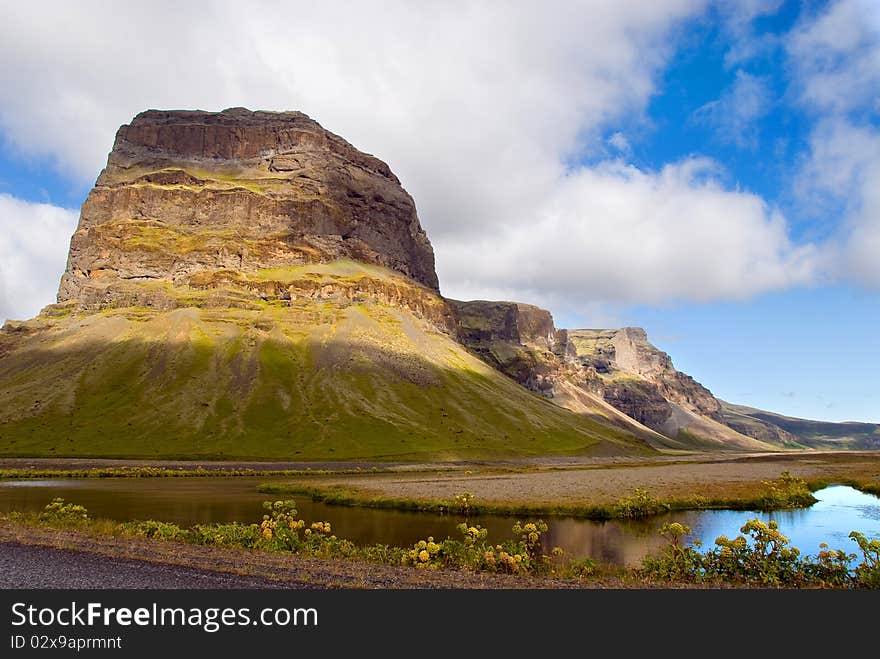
x=189, y=197
x=614, y=374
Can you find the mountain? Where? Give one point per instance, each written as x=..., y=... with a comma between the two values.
x=247, y=285
x=792, y=431
x=611, y=374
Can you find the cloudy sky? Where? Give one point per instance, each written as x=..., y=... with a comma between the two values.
x=710, y=171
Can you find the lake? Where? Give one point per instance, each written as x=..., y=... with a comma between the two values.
x=188, y=501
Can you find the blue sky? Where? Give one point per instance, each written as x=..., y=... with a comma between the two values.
x=709, y=171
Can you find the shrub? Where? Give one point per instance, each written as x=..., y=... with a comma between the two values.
x=530, y=537
x=763, y=558
x=463, y=503
x=677, y=562
x=639, y=504
x=830, y=568
x=425, y=554
x=152, y=529
x=867, y=573
x=787, y=491
x=520, y=556
x=767, y=561
x=583, y=567
x=65, y=513
x=319, y=541
x=227, y=535
x=280, y=528
x=380, y=553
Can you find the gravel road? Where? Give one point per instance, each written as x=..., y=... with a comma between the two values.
x=28, y=566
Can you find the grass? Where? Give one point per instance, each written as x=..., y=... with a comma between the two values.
x=311, y=381
x=36, y=473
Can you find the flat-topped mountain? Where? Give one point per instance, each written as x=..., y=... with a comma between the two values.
x=249, y=285
x=196, y=198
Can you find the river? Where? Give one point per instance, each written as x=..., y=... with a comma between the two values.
x=188, y=501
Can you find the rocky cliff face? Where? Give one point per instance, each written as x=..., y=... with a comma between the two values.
x=589, y=371
x=189, y=197
x=628, y=351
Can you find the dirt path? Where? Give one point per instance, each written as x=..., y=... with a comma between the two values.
x=32, y=566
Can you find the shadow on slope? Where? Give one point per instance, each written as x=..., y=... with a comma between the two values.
x=363, y=382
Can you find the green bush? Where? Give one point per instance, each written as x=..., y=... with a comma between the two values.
x=830, y=568
x=463, y=503
x=868, y=571
x=764, y=558
x=152, y=529
x=59, y=512
x=280, y=527
x=766, y=561
x=425, y=554
x=677, y=562
x=232, y=534
x=787, y=491
x=639, y=504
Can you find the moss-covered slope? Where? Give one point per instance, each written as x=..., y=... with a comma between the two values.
x=338, y=376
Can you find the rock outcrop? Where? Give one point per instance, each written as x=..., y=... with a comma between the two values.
x=590, y=371
x=188, y=197
x=627, y=350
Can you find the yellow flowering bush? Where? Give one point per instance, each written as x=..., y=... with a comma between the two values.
x=463, y=503
x=868, y=571
x=639, y=504
x=530, y=537
x=678, y=562
x=762, y=556
x=280, y=528
x=320, y=527
x=425, y=554
x=68, y=513
x=473, y=534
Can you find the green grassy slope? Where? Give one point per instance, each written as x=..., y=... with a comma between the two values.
x=305, y=380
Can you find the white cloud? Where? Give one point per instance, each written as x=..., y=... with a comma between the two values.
x=836, y=59
x=479, y=108
x=33, y=248
x=844, y=170
x=738, y=22
x=622, y=235
x=736, y=113
x=620, y=143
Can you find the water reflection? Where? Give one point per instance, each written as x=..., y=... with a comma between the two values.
x=188, y=501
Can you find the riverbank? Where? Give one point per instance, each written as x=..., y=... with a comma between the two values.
x=590, y=488
x=284, y=570
x=598, y=491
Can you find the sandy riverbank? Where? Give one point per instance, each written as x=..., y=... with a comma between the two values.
x=601, y=483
